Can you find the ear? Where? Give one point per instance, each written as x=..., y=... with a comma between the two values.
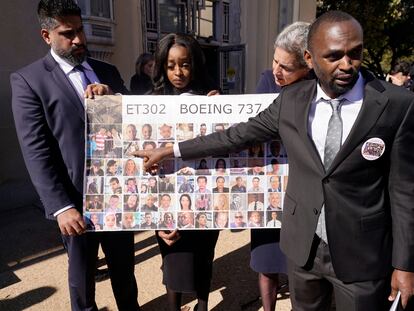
x=45, y=35
x=308, y=58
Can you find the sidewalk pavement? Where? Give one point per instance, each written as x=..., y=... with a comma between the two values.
x=33, y=270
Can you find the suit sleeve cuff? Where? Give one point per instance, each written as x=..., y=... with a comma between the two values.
x=177, y=152
x=63, y=210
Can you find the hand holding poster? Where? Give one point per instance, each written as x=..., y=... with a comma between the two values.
x=241, y=190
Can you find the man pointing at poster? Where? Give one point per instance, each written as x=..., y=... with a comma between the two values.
x=348, y=212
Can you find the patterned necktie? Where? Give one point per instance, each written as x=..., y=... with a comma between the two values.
x=334, y=134
x=332, y=145
x=85, y=79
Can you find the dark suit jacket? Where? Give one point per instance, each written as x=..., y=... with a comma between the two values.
x=50, y=124
x=368, y=204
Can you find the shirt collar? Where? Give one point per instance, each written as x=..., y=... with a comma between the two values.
x=65, y=65
x=353, y=95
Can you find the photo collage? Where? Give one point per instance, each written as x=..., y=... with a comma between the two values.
x=230, y=191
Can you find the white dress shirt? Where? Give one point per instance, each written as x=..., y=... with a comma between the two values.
x=321, y=112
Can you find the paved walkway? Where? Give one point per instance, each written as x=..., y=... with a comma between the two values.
x=33, y=270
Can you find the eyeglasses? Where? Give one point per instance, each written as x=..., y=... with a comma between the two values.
x=238, y=216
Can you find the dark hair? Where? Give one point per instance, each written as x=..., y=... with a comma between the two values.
x=202, y=161
x=189, y=199
x=142, y=60
x=149, y=126
x=201, y=177
x=328, y=17
x=274, y=161
x=200, y=82
x=147, y=142
x=49, y=10
x=114, y=179
x=220, y=177
x=198, y=218
x=110, y=163
x=201, y=213
x=403, y=67
x=220, y=161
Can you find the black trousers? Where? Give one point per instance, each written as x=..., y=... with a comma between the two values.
x=311, y=289
x=119, y=254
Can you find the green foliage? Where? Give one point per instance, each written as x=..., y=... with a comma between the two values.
x=388, y=29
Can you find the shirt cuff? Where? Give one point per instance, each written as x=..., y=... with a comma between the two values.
x=177, y=152
x=63, y=210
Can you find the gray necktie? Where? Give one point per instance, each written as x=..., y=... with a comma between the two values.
x=334, y=134
x=332, y=145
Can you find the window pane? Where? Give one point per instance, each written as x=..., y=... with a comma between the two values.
x=172, y=16
x=226, y=22
x=151, y=15
x=206, y=21
x=101, y=8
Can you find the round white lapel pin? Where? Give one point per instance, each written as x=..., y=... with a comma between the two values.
x=373, y=149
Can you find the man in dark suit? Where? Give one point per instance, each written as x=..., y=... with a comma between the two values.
x=348, y=212
x=49, y=116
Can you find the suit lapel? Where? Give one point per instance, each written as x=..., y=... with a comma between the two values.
x=64, y=84
x=373, y=105
x=303, y=102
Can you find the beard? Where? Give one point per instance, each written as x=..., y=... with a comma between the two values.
x=71, y=56
x=329, y=81
x=342, y=89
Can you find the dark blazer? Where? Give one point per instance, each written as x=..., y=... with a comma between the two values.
x=368, y=204
x=44, y=102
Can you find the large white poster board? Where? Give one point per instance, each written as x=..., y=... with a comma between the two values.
x=235, y=191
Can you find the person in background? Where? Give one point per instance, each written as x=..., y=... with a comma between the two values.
x=288, y=66
x=187, y=264
x=141, y=82
x=400, y=74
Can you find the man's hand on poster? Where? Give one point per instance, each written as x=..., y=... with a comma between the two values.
x=402, y=281
x=169, y=237
x=97, y=89
x=71, y=222
x=153, y=157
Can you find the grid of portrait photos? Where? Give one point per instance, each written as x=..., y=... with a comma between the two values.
x=230, y=191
